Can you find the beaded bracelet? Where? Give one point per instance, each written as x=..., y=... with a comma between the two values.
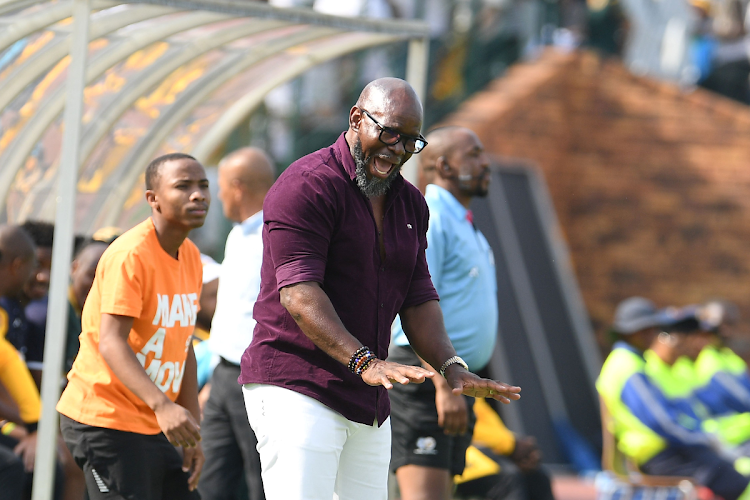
x=358, y=354
x=360, y=360
x=366, y=364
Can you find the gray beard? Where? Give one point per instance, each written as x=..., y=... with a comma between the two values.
x=370, y=187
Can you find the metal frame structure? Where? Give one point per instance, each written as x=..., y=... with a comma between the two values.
x=105, y=33
x=541, y=306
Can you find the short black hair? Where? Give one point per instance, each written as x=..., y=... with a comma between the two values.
x=154, y=168
x=87, y=242
x=42, y=233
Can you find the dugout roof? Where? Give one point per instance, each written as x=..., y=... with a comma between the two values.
x=160, y=76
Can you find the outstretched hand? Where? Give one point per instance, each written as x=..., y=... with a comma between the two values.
x=381, y=372
x=464, y=382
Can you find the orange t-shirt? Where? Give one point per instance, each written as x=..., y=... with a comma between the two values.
x=137, y=278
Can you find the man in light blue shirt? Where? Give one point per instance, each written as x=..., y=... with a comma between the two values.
x=228, y=441
x=432, y=427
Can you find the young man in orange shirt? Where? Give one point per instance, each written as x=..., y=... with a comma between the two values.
x=132, y=392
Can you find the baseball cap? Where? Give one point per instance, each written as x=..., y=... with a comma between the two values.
x=683, y=320
x=637, y=313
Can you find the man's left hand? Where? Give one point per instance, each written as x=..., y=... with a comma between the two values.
x=464, y=382
x=192, y=462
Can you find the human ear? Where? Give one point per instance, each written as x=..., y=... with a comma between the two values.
x=442, y=168
x=151, y=199
x=355, y=117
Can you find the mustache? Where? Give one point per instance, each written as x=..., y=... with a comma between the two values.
x=390, y=159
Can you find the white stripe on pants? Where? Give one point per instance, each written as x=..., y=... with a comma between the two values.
x=310, y=452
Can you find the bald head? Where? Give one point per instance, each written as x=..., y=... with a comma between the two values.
x=250, y=166
x=17, y=259
x=455, y=160
x=383, y=125
x=388, y=95
x=245, y=176
x=441, y=142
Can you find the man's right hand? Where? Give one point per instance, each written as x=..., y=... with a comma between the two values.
x=178, y=425
x=381, y=372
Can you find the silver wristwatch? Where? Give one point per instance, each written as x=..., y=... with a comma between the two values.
x=452, y=361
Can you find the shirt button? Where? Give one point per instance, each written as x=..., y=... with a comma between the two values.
x=382, y=268
x=382, y=305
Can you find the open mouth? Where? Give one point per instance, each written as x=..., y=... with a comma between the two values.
x=382, y=166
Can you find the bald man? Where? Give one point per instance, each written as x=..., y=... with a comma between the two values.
x=344, y=242
x=245, y=176
x=432, y=426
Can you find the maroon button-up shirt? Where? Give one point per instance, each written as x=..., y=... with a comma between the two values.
x=318, y=226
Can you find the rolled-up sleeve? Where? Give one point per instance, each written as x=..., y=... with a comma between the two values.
x=421, y=288
x=299, y=218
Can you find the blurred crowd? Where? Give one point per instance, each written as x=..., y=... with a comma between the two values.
x=25, y=263
x=703, y=42
x=677, y=397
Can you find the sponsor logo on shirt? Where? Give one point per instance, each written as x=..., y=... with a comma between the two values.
x=182, y=309
x=426, y=446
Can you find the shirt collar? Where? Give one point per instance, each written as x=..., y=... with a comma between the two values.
x=344, y=156
x=445, y=197
x=252, y=223
x=624, y=345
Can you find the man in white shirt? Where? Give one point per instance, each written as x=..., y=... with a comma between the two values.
x=228, y=441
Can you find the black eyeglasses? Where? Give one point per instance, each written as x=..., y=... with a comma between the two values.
x=389, y=136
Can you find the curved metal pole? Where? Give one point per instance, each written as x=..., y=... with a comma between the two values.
x=24, y=75
x=48, y=111
x=11, y=5
x=416, y=65
x=26, y=25
x=240, y=110
x=416, y=75
x=103, y=121
x=54, y=343
x=107, y=117
x=142, y=151
x=243, y=8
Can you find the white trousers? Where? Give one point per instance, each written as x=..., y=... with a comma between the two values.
x=310, y=452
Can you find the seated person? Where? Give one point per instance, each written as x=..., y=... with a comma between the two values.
x=500, y=465
x=34, y=295
x=718, y=377
x=82, y=271
x=661, y=437
x=19, y=415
